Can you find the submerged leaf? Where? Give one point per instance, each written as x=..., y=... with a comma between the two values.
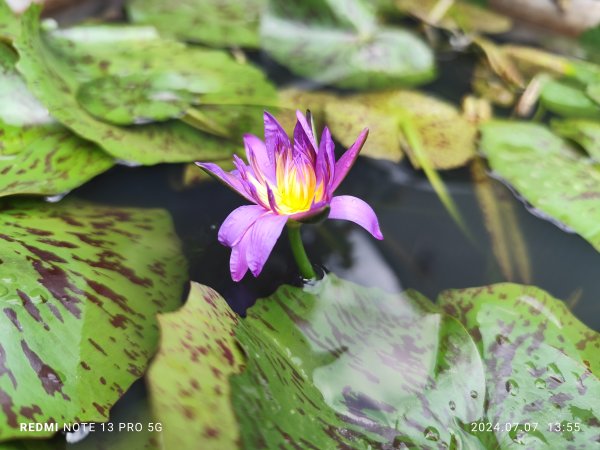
x=197, y=355
x=81, y=286
x=37, y=155
x=213, y=22
x=340, y=43
x=336, y=365
x=559, y=182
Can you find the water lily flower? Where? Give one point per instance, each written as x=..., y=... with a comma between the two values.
x=287, y=183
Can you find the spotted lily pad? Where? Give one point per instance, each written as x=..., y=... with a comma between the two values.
x=81, y=286
x=54, y=76
x=585, y=132
x=541, y=363
x=340, y=43
x=336, y=365
x=37, y=155
x=557, y=180
x=134, y=99
x=188, y=378
x=447, y=138
x=212, y=22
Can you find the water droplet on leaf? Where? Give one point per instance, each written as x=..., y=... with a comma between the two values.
x=540, y=383
x=474, y=394
x=452, y=405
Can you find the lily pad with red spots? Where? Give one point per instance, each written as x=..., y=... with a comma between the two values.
x=212, y=22
x=55, y=65
x=37, y=155
x=81, y=285
x=188, y=379
x=336, y=365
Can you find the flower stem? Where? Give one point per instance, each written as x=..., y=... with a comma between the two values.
x=306, y=269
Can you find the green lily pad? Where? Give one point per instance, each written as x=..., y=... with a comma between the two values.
x=81, y=286
x=568, y=100
x=556, y=179
x=213, y=22
x=340, y=43
x=55, y=79
x=198, y=353
x=134, y=100
x=459, y=16
x=447, y=138
x=38, y=156
x=585, y=132
x=541, y=364
x=336, y=365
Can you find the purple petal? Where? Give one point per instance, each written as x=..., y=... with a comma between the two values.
x=263, y=236
x=238, y=222
x=276, y=140
x=231, y=180
x=238, y=266
x=256, y=154
x=346, y=207
x=304, y=141
x=325, y=160
x=347, y=160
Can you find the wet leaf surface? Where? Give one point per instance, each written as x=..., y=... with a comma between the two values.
x=558, y=181
x=37, y=155
x=336, y=365
x=447, y=138
x=55, y=72
x=81, y=286
x=541, y=363
x=188, y=378
x=214, y=22
x=341, y=43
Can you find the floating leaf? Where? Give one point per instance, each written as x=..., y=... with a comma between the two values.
x=212, y=22
x=341, y=44
x=568, y=100
x=447, y=138
x=188, y=378
x=336, y=365
x=551, y=175
x=541, y=364
x=134, y=100
x=585, y=132
x=55, y=79
x=38, y=156
x=81, y=286
x=458, y=16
